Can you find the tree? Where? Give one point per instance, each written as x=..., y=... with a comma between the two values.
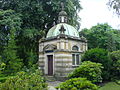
x=12, y=61
x=10, y=23
x=102, y=36
x=99, y=55
x=31, y=57
x=115, y=5
x=8, y=19
x=37, y=19
x=90, y=70
x=115, y=71
x=35, y=13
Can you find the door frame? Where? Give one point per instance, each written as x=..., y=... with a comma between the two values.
x=46, y=63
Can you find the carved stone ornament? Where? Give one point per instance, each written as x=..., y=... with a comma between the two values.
x=50, y=47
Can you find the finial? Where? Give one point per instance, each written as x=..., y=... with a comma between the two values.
x=62, y=15
x=62, y=30
x=62, y=6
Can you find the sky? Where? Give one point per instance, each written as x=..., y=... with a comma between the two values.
x=96, y=11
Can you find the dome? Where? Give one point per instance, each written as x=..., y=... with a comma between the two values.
x=62, y=13
x=69, y=30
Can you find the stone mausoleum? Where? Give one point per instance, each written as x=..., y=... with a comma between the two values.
x=60, y=52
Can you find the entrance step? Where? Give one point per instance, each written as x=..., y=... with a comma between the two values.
x=53, y=78
x=50, y=78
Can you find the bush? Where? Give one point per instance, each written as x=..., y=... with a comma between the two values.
x=118, y=82
x=115, y=71
x=24, y=81
x=77, y=84
x=90, y=70
x=99, y=55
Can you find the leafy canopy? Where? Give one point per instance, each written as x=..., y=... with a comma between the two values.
x=33, y=18
x=102, y=36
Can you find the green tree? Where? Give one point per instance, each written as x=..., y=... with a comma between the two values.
x=38, y=17
x=115, y=71
x=99, y=55
x=8, y=19
x=35, y=13
x=31, y=57
x=102, y=36
x=90, y=70
x=12, y=61
x=10, y=23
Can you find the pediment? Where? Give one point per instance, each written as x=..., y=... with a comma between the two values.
x=50, y=47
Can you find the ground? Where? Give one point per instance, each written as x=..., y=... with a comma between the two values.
x=110, y=86
x=52, y=84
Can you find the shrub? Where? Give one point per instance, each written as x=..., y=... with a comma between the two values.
x=24, y=81
x=77, y=84
x=118, y=82
x=99, y=55
x=115, y=71
x=90, y=70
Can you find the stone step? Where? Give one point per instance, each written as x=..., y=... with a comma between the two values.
x=50, y=78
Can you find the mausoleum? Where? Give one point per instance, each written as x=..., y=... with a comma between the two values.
x=60, y=52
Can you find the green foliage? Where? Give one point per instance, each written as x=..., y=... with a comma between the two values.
x=77, y=84
x=35, y=13
x=10, y=23
x=2, y=65
x=114, y=4
x=3, y=78
x=99, y=55
x=31, y=59
x=34, y=19
x=90, y=70
x=115, y=71
x=8, y=20
x=102, y=36
x=10, y=58
x=24, y=81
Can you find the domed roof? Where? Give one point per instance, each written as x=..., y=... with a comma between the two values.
x=62, y=13
x=69, y=30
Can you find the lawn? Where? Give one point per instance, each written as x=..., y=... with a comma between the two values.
x=110, y=86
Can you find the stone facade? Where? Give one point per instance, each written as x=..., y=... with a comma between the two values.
x=61, y=50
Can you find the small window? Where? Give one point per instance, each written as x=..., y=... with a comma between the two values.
x=75, y=59
x=75, y=48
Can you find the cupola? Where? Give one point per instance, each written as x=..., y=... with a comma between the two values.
x=62, y=27
x=62, y=18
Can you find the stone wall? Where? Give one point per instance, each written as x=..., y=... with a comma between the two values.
x=62, y=55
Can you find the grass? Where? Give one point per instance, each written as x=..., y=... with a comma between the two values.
x=110, y=86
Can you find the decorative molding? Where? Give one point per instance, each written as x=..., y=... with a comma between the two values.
x=50, y=47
